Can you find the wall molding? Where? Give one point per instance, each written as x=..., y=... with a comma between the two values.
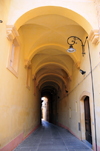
x=12, y=32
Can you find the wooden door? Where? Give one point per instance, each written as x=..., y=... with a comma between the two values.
x=87, y=120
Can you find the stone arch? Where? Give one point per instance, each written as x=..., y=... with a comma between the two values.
x=58, y=47
x=54, y=63
x=84, y=94
x=53, y=74
x=53, y=81
x=45, y=10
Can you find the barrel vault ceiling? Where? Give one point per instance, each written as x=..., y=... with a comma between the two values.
x=45, y=45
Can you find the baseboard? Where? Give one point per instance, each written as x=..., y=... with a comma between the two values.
x=31, y=131
x=68, y=130
x=15, y=142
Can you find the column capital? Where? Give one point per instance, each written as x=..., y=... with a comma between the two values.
x=27, y=63
x=94, y=36
x=12, y=32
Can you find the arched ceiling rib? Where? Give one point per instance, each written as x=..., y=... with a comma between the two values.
x=60, y=49
x=37, y=37
x=49, y=85
x=52, y=64
x=49, y=82
x=53, y=75
x=51, y=90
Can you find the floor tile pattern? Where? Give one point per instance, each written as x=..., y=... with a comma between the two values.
x=49, y=137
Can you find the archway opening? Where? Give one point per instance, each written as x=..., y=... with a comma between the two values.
x=44, y=108
x=49, y=106
x=87, y=132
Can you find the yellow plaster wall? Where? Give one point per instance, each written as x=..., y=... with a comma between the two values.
x=97, y=6
x=19, y=108
x=76, y=87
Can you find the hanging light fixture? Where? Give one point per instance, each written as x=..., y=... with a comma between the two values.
x=71, y=49
x=71, y=41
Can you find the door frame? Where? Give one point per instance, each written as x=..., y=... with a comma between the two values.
x=82, y=116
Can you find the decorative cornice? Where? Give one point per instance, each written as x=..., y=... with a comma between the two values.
x=11, y=32
x=94, y=36
x=27, y=64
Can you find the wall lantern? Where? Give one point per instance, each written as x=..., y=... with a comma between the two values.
x=71, y=41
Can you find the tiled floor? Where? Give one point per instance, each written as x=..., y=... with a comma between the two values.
x=51, y=138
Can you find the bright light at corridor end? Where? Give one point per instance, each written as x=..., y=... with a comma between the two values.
x=43, y=99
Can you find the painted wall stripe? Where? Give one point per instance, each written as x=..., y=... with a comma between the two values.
x=15, y=142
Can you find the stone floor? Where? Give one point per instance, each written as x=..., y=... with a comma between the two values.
x=49, y=137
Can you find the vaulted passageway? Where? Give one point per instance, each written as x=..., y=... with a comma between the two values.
x=51, y=108
x=55, y=71
x=39, y=65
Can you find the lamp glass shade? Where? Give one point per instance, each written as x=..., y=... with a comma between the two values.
x=71, y=49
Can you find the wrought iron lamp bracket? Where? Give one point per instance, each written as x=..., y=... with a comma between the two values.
x=73, y=40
